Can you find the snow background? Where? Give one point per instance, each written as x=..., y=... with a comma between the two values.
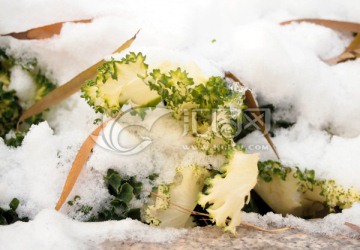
x=282, y=64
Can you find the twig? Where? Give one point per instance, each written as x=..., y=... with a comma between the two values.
x=277, y=230
x=353, y=226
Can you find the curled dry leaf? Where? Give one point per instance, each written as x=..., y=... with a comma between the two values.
x=250, y=102
x=352, y=51
x=43, y=32
x=71, y=87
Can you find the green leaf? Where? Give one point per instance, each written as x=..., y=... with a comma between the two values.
x=134, y=214
x=118, y=204
x=126, y=192
x=114, y=181
x=10, y=216
x=14, y=204
x=153, y=176
x=3, y=220
x=86, y=209
x=136, y=185
x=15, y=140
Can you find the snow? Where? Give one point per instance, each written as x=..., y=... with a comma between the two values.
x=52, y=230
x=23, y=85
x=282, y=64
x=331, y=225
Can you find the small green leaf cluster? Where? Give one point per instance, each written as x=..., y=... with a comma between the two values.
x=9, y=216
x=15, y=139
x=213, y=102
x=6, y=63
x=10, y=108
x=123, y=191
x=269, y=169
x=174, y=88
x=43, y=84
x=81, y=208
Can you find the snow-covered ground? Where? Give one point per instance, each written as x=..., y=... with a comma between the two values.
x=282, y=64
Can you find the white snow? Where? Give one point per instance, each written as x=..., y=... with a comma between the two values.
x=282, y=64
x=331, y=225
x=23, y=85
x=52, y=230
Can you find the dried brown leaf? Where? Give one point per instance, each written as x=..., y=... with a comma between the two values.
x=351, y=52
x=251, y=103
x=80, y=160
x=71, y=87
x=338, y=25
x=43, y=32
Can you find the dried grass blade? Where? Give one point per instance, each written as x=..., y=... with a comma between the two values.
x=71, y=87
x=61, y=93
x=251, y=103
x=338, y=25
x=43, y=32
x=126, y=44
x=80, y=160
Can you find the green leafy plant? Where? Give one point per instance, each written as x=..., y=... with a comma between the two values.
x=9, y=216
x=216, y=102
x=289, y=190
x=229, y=191
x=173, y=204
x=10, y=108
x=123, y=191
x=221, y=193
